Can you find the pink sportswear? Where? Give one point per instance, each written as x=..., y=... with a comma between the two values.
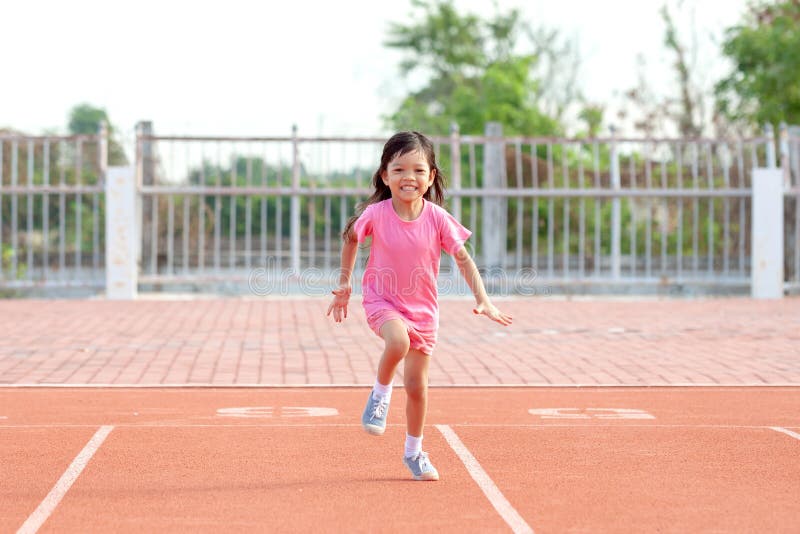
x=403, y=267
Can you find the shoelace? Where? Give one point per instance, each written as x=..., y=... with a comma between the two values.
x=422, y=461
x=380, y=408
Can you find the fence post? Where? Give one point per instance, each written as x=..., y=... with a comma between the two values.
x=455, y=165
x=102, y=156
x=145, y=175
x=767, y=234
x=294, y=218
x=102, y=165
x=493, y=224
x=770, y=133
x=785, y=161
x=121, y=234
x=616, y=214
x=2, y=167
x=793, y=148
x=455, y=173
x=793, y=183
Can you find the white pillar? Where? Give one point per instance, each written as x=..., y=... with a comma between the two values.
x=767, y=234
x=494, y=227
x=121, y=234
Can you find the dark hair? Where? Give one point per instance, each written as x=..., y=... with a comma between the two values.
x=400, y=144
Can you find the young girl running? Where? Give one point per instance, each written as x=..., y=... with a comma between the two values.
x=409, y=228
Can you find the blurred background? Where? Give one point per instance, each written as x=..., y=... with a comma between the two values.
x=350, y=68
x=282, y=107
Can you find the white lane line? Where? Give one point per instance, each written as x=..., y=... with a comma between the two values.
x=48, y=505
x=500, y=503
x=786, y=431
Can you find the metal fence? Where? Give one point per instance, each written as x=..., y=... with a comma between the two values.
x=51, y=206
x=545, y=212
x=557, y=211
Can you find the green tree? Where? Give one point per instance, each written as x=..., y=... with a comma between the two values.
x=86, y=119
x=592, y=115
x=764, y=84
x=473, y=70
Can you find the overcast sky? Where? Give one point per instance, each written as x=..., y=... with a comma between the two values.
x=257, y=67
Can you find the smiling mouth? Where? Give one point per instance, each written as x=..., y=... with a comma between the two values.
x=408, y=188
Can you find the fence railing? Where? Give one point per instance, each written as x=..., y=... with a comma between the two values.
x=51, y=209
x=543, y=211
x=619, y=210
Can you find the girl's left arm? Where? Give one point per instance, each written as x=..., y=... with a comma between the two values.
x=484, y=305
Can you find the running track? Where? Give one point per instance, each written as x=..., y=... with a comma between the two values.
x=296, y=459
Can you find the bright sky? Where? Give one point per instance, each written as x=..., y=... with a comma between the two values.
x=257, y=67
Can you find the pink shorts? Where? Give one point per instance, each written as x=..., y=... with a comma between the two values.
x=422, y=341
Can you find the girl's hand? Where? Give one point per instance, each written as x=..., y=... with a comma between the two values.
x=341, y=296
x=489, y=310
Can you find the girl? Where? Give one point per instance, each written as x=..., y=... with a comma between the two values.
x=409, y=228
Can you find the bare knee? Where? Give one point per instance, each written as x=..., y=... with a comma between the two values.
x=397, y=346
x=416, y=387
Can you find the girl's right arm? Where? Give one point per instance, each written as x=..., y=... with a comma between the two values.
x=341, y=295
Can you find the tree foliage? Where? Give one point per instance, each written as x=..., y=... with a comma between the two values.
x=474, y=72
x=764, y=84
x=86, y=119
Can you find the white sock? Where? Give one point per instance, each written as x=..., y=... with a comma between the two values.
x=413, y=446
x=379, y=390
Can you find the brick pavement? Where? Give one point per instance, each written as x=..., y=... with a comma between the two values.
x=290, y=341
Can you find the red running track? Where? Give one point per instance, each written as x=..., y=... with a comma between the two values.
x=521, y=459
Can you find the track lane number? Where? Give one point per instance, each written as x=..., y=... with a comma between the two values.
x=590, y=413
x=277, y=411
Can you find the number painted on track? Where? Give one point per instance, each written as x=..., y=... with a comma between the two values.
x=590, y=413
x=620, y=413
x=558, y=413
x=277, y=411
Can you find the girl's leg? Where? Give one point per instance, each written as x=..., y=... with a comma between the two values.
x=395, y=337
x=415, y=380
x=416, y=383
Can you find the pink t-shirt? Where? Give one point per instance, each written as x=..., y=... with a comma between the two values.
x=404, y=259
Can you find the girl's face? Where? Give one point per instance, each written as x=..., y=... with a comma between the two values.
x=408, y=177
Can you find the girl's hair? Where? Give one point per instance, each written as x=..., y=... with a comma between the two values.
x=401, y=144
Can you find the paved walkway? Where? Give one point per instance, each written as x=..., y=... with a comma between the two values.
x=284, y=341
